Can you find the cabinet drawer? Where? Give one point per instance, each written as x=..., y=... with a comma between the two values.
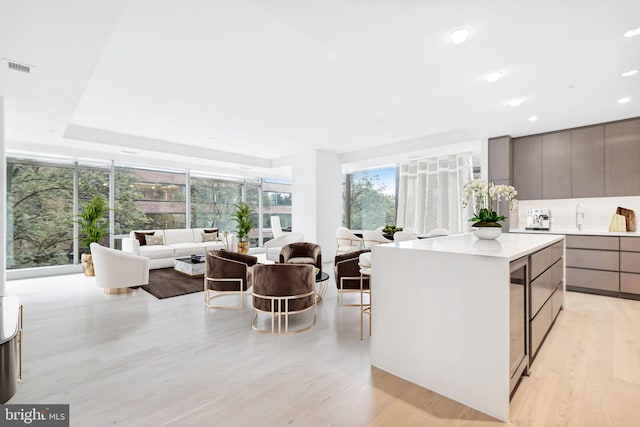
x=540, y=325
x=599, y=260
x=594, y=242
x=630, y=262
x=557, y=251
x=543, y=286
x=630, y=283
x=556, y=301
x=593, y=279
x=630, y=244
x=543, y=259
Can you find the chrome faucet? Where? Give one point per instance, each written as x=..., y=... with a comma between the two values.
x=579, y=215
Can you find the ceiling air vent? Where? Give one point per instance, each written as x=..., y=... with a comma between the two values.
x=18, y=67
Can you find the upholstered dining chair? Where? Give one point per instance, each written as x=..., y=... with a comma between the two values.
x=373, y=237
x=276, y=227
x=116, y=271
x=403, y=236
x=364, y=262
x=346, y=271
x=347, y=241
x=302, y=253
x=282, y=290
x=273, y=247
x=226, y=273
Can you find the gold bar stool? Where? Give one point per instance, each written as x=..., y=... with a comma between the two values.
x=364, y=262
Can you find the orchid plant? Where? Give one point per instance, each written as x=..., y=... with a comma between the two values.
x=484, y=196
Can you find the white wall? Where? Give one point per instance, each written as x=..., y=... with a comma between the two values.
x=597, y=212
x=317, y=198
x=3, y=201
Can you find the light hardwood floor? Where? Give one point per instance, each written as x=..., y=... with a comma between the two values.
x=133, y=360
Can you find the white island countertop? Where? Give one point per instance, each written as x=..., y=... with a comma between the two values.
x=580, y=232
x=509, y=246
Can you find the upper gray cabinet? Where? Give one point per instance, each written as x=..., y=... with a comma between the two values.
x=587, y=162
x=556, y=165
x=527, y=167
x=593, y=161
x=500, y=164
x=622, y=158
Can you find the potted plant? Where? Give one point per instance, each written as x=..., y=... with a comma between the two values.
x=244, y=225
x=93, y=227
x=484, y=196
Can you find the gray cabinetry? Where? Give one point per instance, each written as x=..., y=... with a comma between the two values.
x=527, y=167
x=500, y=164
x=630, y=266
x=545, y=292
x=587, y=162
x=593, y=161
x=622, y=157
x=556, y=165
x=593, y=264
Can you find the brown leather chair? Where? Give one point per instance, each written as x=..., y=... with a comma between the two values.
x=302, y=253
x=226, y=273
x=347, y=274
x=280, y=290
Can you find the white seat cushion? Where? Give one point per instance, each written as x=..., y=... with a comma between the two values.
x=156, y=251
x=176, y=236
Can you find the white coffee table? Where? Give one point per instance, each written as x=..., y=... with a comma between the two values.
x=189, y=268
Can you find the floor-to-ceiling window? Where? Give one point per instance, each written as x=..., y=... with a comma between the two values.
x=370, y=199
x=93, y=180
x=252, y=197
x=276, y=201
x=45, y=195
x=39, y=214
x=213, y=201
x=161, y=195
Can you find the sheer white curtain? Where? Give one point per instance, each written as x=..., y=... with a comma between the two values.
x=430, y=193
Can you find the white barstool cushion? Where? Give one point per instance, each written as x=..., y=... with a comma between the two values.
x=364, y=262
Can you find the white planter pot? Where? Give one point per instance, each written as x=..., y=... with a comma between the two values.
x=487, y=233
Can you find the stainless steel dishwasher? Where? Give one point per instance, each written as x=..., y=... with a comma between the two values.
x=518, y=321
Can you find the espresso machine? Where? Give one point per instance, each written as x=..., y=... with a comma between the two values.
x=538, y=219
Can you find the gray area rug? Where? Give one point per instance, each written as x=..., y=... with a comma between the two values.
x=167, y=283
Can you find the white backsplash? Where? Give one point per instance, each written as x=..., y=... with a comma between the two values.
x=597, y=212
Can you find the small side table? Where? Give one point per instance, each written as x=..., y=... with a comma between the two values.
x=322, y=282
x=11, y=336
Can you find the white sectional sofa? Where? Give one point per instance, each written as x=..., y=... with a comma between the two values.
x=177, y=243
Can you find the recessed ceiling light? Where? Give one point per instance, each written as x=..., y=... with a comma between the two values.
x=633, y=32
x=533, y=118
x=629, y=73
x=130, y=152
x=624, y=100
x=515, y=102
x=211, y=137
x=460, y=35
x=494, y=76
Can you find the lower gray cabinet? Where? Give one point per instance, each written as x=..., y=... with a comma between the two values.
x=630, y=283
x=593, y=264
x=592, y=279
x=545, y=292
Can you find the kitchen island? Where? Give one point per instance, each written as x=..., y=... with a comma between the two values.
x=447, y=311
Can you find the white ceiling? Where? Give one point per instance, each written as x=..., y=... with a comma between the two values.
x=251, y=82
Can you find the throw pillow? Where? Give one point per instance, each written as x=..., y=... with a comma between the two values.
x=209, y=237
x=154, y=240
x=141, y=236
x=211, y=231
